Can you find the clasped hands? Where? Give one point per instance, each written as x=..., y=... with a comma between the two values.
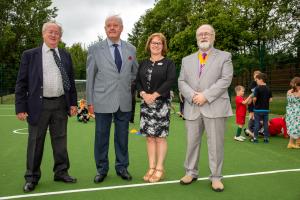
x=149, y=98
x=199, y=99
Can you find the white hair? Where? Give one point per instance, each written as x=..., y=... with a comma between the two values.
x=117, y=17
x=45, y=26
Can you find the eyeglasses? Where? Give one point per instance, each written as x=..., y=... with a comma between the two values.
x=55, y=33
x=156, y=43
x=204, y=34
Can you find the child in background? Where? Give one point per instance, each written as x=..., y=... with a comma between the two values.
x=261, y=99
x=293, y=114
x=252, y=86
x=277, y=126
x=83, y=114
x=181, y=105
x=241, y=110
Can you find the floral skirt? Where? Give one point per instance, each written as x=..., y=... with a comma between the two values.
x=155, y=118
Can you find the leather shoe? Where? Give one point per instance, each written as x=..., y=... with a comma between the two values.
x=186, y=180
x=99, y=178
x=29, y=186
x=124, y=174
x=65, y=178
x=217, y=186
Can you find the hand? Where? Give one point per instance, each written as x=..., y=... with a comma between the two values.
x=148, y=98
x=199, y=99
x=73, y=110
x=91, y=109
x=22, y=116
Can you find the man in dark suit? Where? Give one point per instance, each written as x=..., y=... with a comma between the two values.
x=45, y=95
x=111, y=70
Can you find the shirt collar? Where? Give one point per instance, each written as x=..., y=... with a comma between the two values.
x=47, y=49
x=110, y=43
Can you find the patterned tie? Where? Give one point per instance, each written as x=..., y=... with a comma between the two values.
x=118, y=59
x=202, y=64
x=64, y=75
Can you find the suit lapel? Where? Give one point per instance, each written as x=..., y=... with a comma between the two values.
x=40, y=62
x=195, y=65
x=105, y=48
x=209, y=63
x=124, y=54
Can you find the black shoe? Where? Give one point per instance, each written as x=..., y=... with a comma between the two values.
x=29, y=186
x=99, y=178
x=124, y=174
x=65, y=178
x=266, y=140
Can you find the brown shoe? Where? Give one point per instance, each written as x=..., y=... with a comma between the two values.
x=186, y=180
x=217, y=186
x=158, y=175
x=149, y=173
x=293, y=146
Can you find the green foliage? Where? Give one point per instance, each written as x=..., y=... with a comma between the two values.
x=79, y=55
x=254, y=31
x=20, y=29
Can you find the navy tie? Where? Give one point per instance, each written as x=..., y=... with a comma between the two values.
x=64, y=75
x=118, y=59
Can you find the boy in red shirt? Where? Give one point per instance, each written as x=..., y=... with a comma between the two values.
x=278, y=126
x=241, y=110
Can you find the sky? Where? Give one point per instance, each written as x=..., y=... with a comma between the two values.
x=83, y=20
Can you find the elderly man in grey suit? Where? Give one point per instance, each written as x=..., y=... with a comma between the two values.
x=111, y=69
x=204, y=79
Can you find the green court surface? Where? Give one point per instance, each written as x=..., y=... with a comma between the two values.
x=243, y=160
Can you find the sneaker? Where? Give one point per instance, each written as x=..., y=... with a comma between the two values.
x=245, y=131
x=249, y=132
x=242, y=137
x=239, y=139
x=254, y=140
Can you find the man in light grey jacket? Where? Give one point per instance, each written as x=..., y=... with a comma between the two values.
x=111, y=69
x=204, y=79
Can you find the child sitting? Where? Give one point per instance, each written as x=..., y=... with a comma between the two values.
x=83, y=114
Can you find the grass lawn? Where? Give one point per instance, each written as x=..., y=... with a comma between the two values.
x=240, y=158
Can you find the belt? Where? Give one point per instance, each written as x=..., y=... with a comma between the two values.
x=52, y=98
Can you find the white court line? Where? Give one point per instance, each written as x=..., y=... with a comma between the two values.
x=140, y=185
x=7, y=115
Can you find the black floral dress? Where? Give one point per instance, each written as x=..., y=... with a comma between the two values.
x=155, y=118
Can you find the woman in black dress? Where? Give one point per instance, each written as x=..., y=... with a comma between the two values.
x=154, y=80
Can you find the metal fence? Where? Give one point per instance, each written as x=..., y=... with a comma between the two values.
x=278, y=77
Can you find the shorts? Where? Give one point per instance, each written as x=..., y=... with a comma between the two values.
x=240, y=120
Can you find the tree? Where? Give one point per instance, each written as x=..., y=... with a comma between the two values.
x=20, y=28
x=79, y=55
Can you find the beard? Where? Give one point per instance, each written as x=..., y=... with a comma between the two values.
x=204, y=45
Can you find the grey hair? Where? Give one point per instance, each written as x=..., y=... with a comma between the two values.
x=117, y=17
x=210, y=26
x=45, y=26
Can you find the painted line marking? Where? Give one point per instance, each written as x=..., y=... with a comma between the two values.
x=140, y=185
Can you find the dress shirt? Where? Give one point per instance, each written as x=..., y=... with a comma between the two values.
x=112, y=48
x=52, y=80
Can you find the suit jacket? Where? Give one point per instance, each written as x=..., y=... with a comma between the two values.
x=107, y=89
x=29, y=85
x=213, y=83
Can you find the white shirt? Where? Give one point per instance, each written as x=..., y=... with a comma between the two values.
x=52, y=80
